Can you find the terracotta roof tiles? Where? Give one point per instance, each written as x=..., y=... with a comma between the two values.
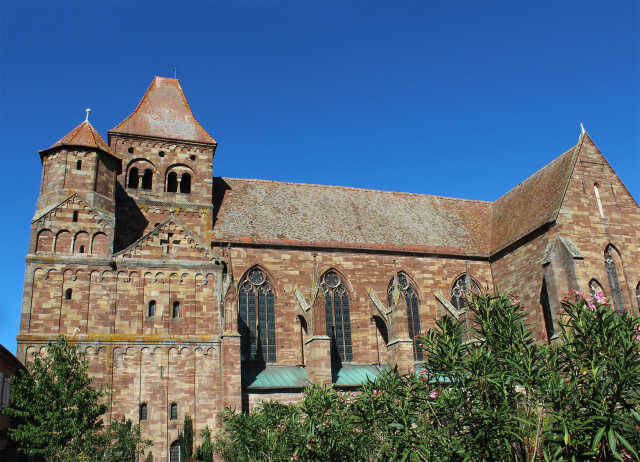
x=164, y=112
x=83, y=135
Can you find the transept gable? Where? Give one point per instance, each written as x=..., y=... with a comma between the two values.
x=169, y=241
x=72, y=212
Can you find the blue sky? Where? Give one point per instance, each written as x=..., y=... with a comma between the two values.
x=462, y=99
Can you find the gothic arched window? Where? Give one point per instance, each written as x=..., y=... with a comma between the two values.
x=172, y=182
x=134, y=178
x=610, y=255
x=257, y=317
x=147, y=179
x=337, y=314
x=463, y=286
x=595, y=288
x=185, y=183
x=408, y=291
x=174, y=452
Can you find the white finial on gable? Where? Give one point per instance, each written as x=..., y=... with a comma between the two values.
x=88, y=111
x=582, y=130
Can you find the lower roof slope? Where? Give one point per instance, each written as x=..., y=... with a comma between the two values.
x=272, y=212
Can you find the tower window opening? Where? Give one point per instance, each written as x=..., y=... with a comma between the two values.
x=176, y=310
x=152, y=309
x=130, y=150
x=134, y=178
x=81, y=249
x=185, y=183
x=67, y=294
x=596, y=191
x=161, y=153
x=172, y=182
x=75, y=216
x=147, y=179
x=192, y=157
x=173, y=413
x=79, y=165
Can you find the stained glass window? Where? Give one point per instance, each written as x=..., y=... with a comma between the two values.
x=461, y=289
x=614, y=282
x=257, y=318
x=410, y=295
x=595, y=288
x=337, y=312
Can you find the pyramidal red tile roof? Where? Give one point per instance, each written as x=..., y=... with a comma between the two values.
x=164, y=112
x=83, y=135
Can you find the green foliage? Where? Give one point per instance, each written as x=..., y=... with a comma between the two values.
x=186, y=438
x=59, y=412
x=204, y=453
x=499, y=396
x=149, y=457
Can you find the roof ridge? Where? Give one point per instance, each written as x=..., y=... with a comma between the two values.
x=353, y=188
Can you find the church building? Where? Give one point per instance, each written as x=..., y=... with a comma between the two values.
x=192, y=292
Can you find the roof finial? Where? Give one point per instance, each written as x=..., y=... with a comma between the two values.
x=175, y=72
x=582, y=130
x=88, y=111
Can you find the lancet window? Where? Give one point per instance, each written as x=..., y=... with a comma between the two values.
x=595, y=289
x=256, y=317
x=337, y=313
x=462, y=288
x=408, y=291
x=614, y=281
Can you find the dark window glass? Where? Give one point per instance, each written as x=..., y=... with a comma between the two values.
x=461, y=289
x=75, y=216
x=337, y=312
x=546, y=310
x=172, y=182
x=257, y=318
x=134, y=178
x=67, y=294
x=79, y=165
x=81, y=249
x=143, y=411
x=408, y=291
x=152, y=308
x=176, y=310
x=614, y=282
x=185, y=183
x=173, y=415
x=174, y=452
x=147, y=179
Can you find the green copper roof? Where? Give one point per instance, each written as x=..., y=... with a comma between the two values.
x=276, y=377
x=351, y=374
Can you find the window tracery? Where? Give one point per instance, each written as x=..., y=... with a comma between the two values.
x=256, y=317
x=462, y=287
x=408, y=291
x=614, y=281
x=337, y=314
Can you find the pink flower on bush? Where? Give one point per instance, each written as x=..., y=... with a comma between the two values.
x=294, y=457
x=308, y=446
x=433, y=394
x=591, y=306
x=600, y=298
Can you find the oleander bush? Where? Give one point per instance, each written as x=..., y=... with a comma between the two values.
x=487, y=391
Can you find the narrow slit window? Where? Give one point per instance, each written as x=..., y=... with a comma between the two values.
x=546, y=310
x=67, y=294
x=406, y=289
x=143, y=411
x=173, y=413
x=596, y=191
x=152, y=309
x=79, y=165
x=81, y=249
x=176, y=310
x=75, y=216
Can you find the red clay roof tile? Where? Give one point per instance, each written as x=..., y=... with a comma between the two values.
x=83, y=135
x=164, y=112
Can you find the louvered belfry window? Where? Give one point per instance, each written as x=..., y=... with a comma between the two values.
x=337, y=312
x=257, y=318
x=614, y=282
x=408, y=291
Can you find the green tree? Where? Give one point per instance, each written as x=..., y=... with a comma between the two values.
x=204, y=453
x=185, y=437
x=60, y=413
